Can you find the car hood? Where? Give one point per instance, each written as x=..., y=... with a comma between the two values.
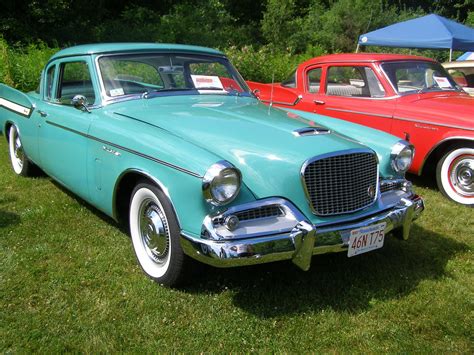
x=439, y=108
x=253, y=137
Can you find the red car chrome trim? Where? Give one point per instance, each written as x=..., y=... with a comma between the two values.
x=433, y=123
x=359, y=112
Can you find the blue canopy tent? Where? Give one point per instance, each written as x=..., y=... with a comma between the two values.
x=430, y=31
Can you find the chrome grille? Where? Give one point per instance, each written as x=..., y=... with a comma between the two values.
x=261, y=212
x=341, y=184
x=388, y=185
x=255, y=213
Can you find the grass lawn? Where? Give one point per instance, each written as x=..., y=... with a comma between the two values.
x=69, y=282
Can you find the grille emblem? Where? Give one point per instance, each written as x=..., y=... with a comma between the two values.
x=371, y=191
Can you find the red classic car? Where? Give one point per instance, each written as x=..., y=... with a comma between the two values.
x=409, y=96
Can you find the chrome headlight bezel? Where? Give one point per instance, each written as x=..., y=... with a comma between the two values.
x=402, y=150
x=210, y=179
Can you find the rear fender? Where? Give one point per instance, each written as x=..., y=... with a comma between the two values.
x=14, y=105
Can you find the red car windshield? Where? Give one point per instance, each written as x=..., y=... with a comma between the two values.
x=417, y=76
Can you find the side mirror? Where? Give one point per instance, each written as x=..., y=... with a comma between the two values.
x=80, y=102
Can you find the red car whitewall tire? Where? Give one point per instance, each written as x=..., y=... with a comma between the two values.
x=455, y=175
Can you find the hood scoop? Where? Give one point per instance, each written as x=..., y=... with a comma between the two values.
x=310, y=131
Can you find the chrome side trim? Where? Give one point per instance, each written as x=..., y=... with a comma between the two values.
x=278, y=102
x=359, y=112
x=437, y=145
x=131, y=151
x=16, y=108
x=432, y=123
x=332, y=154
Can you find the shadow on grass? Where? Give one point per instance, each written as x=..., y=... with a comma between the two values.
x=101, y=215
x=335, y=281
x=427, y=181
x=8, y=218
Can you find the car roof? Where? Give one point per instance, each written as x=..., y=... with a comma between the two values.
x=102, y=48
x=363, y=57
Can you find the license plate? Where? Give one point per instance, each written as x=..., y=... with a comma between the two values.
x=366, y=239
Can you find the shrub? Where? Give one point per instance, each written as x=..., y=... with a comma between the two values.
x=266, y=63
x=26, y=65
x=5, y=74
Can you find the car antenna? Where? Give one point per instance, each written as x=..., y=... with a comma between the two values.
x=271, y=93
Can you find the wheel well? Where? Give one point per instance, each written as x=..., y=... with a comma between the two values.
x=7, y=130
x=123, y=193
x=430, y=163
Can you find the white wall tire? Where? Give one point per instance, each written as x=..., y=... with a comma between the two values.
x=455, y=175
x=155, y=235
x=19, y=160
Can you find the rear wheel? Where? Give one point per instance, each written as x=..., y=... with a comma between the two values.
x=455, y=175
x=155, y=235
x=20, y=163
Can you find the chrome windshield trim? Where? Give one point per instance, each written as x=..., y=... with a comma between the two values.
x=333, y=154
x=131, y=151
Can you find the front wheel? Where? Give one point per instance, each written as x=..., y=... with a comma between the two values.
x=155, y=235
x=455, y=175
x=20, y=163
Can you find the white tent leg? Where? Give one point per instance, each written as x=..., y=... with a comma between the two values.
x=450, y=54
x=357, y=49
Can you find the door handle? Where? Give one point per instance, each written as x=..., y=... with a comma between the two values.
x=42, y=113
x=319, y=102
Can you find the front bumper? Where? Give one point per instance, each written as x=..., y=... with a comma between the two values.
x=301, y=242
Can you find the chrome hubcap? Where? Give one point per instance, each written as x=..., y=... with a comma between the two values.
x=154, y=231
x=462, y=175
x=18, y=150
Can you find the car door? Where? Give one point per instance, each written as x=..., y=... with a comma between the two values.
x=63, y=133
x=352, y=92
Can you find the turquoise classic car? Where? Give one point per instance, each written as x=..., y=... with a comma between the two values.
x=169, y=140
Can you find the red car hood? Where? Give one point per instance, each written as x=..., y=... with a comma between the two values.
x=441, y=108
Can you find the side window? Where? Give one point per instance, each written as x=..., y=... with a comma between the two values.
x=75, y=79
x=49, y=82
x=353, y=81
x=314, y=80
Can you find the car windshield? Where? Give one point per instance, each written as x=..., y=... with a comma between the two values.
x=290, y=82
x=156, y=74
x=418, y=76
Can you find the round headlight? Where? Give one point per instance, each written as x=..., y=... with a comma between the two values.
x=402, y=156
x=221, y=183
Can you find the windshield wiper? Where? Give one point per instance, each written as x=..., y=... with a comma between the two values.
x=211, y=88
x=146, y=94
